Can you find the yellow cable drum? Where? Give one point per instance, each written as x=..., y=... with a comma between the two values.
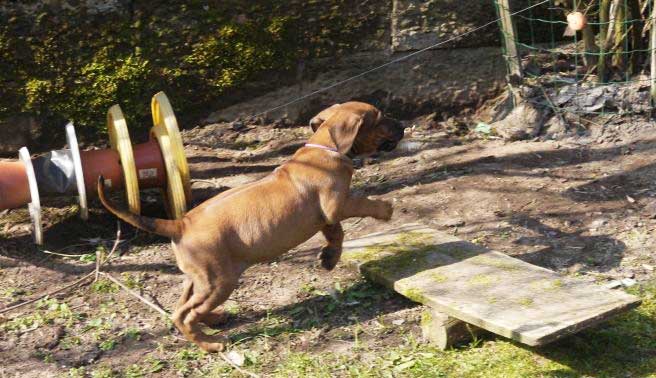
x=119, y=139
x=165, y=130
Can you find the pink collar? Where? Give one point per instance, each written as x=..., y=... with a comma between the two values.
x=321, y=147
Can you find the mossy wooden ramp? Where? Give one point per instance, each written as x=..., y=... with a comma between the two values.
x=465, y=284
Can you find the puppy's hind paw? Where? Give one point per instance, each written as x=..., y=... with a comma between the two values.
x=213, y=344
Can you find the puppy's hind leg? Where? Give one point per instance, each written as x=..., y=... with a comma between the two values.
x=332, y=251
x=213, y=318
x=205, y=298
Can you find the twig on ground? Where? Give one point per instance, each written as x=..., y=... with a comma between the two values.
x=207, y=182
x=62, y=254
x=136, y=295
x=72, y=284
x=553, y=106
x=167, y=315
x=246, y=372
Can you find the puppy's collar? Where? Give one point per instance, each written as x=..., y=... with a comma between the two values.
x=321, y=147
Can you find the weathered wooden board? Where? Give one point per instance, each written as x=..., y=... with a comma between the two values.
x=485, y=288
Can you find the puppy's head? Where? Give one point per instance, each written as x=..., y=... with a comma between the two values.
x=359, y=129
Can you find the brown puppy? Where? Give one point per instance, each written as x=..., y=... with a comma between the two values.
x=216, y=241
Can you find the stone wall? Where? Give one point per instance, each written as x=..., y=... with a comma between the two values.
x=72, y=59
x=418, y=24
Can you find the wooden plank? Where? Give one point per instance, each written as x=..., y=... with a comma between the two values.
x=652, y=47
x=508, y=30
x=485, y=288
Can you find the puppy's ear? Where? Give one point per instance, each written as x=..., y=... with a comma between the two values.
x=344, y=131
x=323, y=115
x=316, y=122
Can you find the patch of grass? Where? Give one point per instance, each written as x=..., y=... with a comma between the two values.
x=48, y=311
x=11, y=293
x=133, y=281
x=103, y=371
x=108, y=345
x=132, y=334
x=183, y=359
x=271, y=326
x=133, y=371
x=231, y=308
x=154, y=365
x=623, y=347
x=69, y=342
x=104, y=286
x=79, y=372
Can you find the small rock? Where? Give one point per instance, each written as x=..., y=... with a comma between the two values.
x=48, y=338
x=575, y=268
x=523, y=122
x=648, y=267
x=454, y=222
x=628, y=282
x=555, y=128
x=598, y=223
x=613, y=284
x=650, y=209
x=236, y=358
x=398, y=322
x=237, y=125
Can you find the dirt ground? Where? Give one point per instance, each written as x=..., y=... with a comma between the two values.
x=583, y=206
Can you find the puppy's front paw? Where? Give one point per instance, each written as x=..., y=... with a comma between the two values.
x=329, y=257
x=386, y=211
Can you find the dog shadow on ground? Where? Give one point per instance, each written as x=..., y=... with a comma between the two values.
x=358, y=303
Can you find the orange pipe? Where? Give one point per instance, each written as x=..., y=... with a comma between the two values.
x=15, y=191
x=14, y=188
x=101, y=162
x=151, y=172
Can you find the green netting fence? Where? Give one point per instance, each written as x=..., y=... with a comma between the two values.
x=602, y=69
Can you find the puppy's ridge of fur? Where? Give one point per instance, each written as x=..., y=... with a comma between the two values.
x=216, y=241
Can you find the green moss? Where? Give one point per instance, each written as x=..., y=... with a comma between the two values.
x=405, y=243
x=481, y=279
x=547, y=284
x=497, y=263
x=525, y=302
x=426, y=317
x=438, y=277
x=69, y=64
x=414, y=295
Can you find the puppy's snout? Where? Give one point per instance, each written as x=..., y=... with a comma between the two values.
x=395, y=131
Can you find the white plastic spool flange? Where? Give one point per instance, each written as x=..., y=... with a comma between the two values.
x=35, y=206
x=71, y=139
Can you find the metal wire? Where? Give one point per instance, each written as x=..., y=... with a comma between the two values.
x=406, y=57
x=620, y=50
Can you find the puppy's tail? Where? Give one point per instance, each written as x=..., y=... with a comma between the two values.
x=164, y=227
